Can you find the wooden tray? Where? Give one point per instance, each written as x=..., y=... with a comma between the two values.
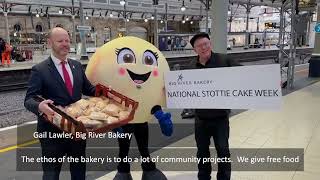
x=68, y=124
x=119, y=98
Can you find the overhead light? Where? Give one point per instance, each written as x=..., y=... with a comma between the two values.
x=152, y=17
x=187, y=19
x=122, y=2
x=183, y=7
x=191, y=22
x=145, y=20
x=111, y=15
x=183, y=21
x=37, y=15
x=161, y=21
x=87, y=16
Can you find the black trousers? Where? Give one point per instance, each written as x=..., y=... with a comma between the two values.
x=218, y=129
x=141, y=132
x=56, y=148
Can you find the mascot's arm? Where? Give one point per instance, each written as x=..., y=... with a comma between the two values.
x=164, y=120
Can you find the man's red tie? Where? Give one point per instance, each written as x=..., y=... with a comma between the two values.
x=67, y=79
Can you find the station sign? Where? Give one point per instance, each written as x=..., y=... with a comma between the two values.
x=84, y=28
x=243, y=87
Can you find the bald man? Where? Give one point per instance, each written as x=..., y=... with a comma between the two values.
x=61, y=81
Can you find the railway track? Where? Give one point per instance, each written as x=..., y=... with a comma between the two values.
x=13, y=86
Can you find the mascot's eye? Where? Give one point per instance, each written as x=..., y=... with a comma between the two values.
x=150, y=58
x=125, y=55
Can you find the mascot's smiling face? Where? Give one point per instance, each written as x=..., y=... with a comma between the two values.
x=133, y=67
x=126, y=57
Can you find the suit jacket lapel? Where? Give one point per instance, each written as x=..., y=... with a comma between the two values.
x=56, y=75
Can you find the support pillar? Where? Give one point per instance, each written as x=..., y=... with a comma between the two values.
x=293, y=43
x=84, y=55
x=166, y=19
x=74, y=37
x=281, y=35
x=308, y=28
x=156, y=38
x=207, y=16
x=246, y=46
x=314, y=63
x=7, y=27
x=219, y=26
x=74, y=42
x=125, y=18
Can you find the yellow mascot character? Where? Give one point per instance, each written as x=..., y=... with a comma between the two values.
x=134, y=68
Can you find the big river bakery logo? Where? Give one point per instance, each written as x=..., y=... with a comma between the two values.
x=180, y=80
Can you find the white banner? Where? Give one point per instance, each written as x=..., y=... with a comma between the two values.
x=242, y=87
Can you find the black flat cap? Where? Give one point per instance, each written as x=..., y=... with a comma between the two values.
x=197, y=36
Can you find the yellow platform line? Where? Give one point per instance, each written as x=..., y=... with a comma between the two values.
x=19, y=145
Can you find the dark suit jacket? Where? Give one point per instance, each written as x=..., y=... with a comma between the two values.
x=46, y=81
x=216, y=61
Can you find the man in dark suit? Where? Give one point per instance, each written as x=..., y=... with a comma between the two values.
x=211, y=122
x=61, y=81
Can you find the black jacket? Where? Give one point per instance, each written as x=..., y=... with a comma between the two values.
x=216, y=61
x=2, y=45
x=46, y=81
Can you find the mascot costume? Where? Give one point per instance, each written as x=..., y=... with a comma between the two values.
x=134, y=68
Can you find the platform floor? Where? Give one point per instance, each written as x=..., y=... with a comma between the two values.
x=296, y=125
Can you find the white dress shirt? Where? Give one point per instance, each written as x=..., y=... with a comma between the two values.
x=57, y=63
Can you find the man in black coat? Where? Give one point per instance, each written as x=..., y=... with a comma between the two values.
x=61, y=81
x=211, y=122
x=2, y=48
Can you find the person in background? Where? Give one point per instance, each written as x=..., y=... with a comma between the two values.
x=61, y=81
x=6, y=54
x=256, y=43
x=169, y=44
x=211, y=122
x=2, y=47
x=233, y=42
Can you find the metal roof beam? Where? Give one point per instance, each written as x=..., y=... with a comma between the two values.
x=242, y=2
